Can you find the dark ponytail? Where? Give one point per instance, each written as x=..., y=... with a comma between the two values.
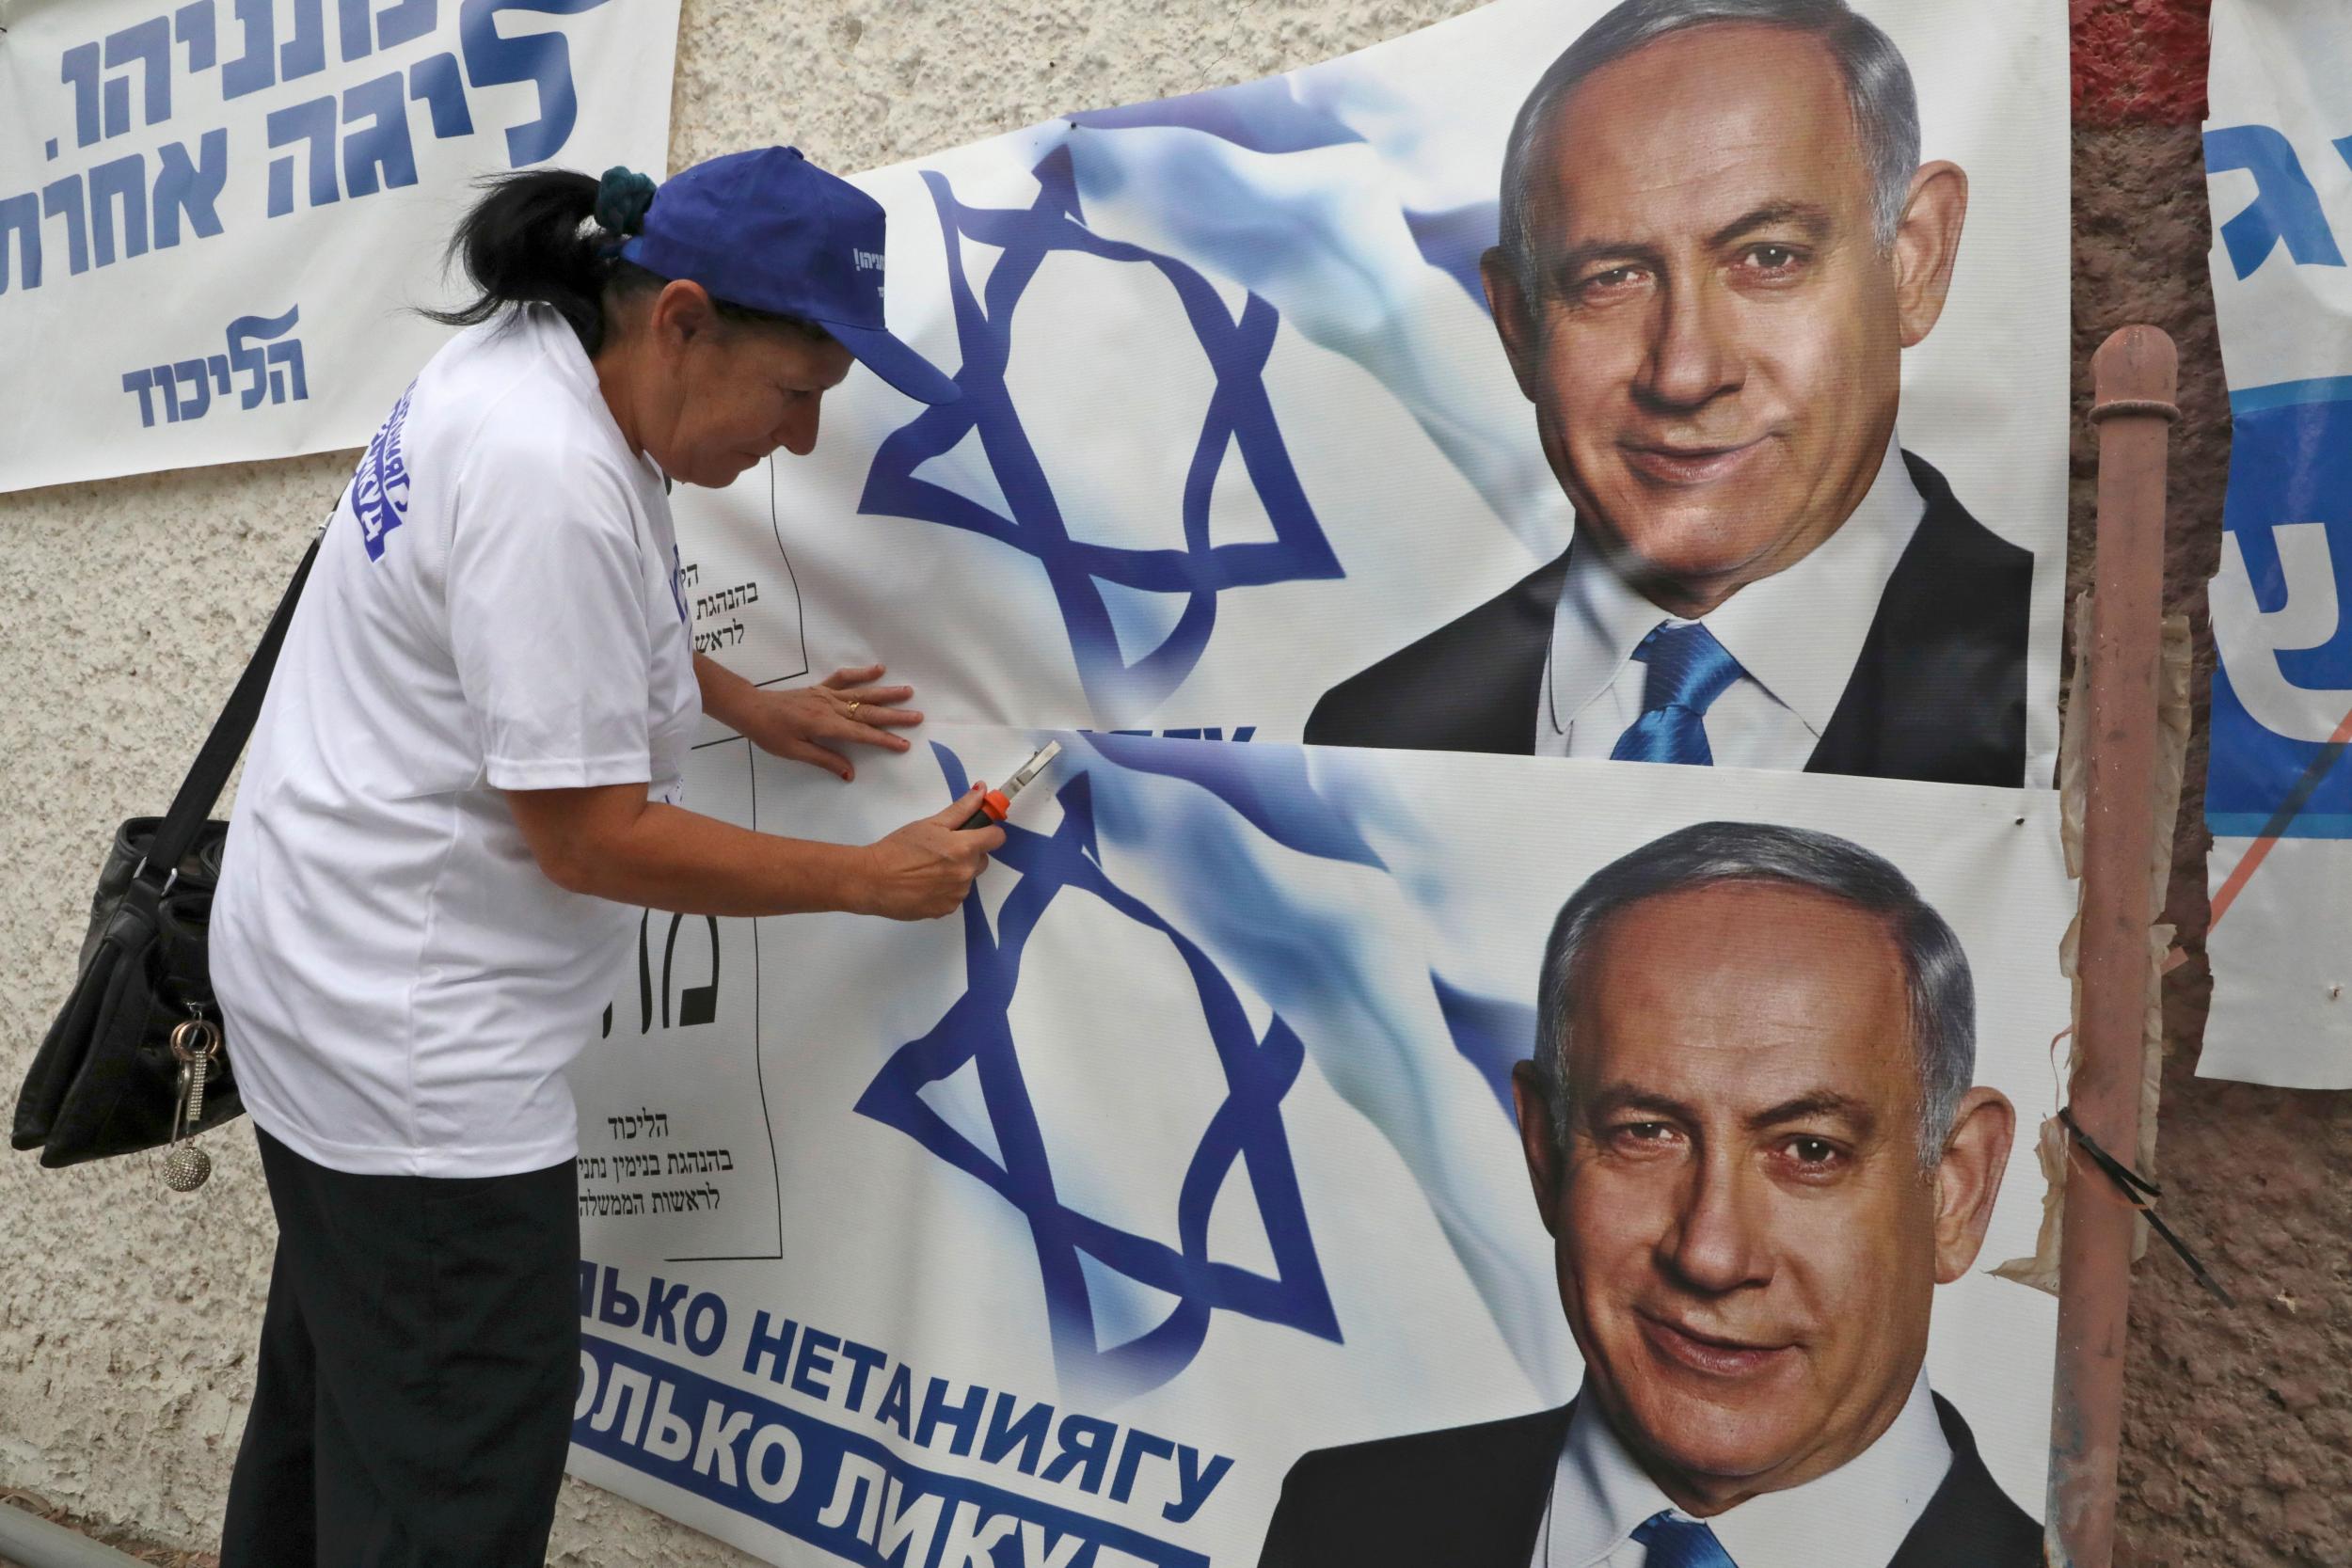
x=535, y=240
x=553, y=237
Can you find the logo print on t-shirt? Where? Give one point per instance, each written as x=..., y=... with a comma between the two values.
x=677, y=583
x=379, y=491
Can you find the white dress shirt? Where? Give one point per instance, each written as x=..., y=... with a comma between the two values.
x=1797, y=634
x=1599, y=1496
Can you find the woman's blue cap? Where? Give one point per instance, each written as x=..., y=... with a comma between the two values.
x=770, y=230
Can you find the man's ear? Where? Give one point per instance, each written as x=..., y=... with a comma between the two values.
x=1927, y=246
x=1543, y=1157
x=1514, y=322
x=1968, y=1178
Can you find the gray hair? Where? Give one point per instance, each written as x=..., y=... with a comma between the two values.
x=1943, y=1002
x=1879, y=91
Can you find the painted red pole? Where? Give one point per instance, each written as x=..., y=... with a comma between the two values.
x=2133, y=379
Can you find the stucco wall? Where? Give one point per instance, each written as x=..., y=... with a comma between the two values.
x=127, y=1322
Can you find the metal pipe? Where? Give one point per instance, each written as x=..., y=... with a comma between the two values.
x=2133, y=378
x=32, y=1542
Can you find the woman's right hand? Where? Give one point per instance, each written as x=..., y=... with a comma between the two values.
x=924, y=870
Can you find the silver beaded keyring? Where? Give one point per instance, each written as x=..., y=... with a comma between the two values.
x=196, y=1043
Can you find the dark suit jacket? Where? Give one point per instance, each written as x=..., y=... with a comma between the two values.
x=1938, y=692
x=1473, y=1498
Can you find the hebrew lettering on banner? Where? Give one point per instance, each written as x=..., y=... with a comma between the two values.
x=1188, y=1145
x=155, y=153
x=257, y=347
x=740, y=592
x=2278, y=791
x=694, y=1173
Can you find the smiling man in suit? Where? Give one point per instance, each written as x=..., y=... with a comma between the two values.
x=1752, y=1133
x=1717, y=240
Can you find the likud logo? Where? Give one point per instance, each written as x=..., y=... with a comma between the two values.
x=379, y=491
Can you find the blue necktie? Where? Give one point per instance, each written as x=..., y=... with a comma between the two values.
x=1680, y=1543
x=1688, y=670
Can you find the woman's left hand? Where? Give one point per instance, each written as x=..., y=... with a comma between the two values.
x=805, y=723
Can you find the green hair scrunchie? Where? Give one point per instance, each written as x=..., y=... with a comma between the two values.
x=622, y=196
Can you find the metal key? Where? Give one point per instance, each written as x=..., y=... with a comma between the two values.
x=187, y=1168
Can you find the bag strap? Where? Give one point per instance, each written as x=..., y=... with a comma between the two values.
x=199, y=792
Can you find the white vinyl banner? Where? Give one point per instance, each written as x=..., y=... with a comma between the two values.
x=1240, y=449
x=217, y=214
x=2278, y=798
x=1176, y=1201
x=1064, y=1226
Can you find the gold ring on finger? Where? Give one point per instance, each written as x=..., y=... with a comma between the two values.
x=852, y=708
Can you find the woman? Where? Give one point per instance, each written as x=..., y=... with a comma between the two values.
x=466, y=775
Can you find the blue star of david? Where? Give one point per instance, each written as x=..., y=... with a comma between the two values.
x=1240, y=416
x=1248, y=1127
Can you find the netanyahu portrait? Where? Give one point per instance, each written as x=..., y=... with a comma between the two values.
x=1716, y=240
x=1752, y=1133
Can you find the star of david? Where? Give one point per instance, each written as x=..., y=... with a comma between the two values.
x=1246, y=1127
x=1239, y=419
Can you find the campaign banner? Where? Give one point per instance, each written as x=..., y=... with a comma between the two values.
x=1066, y=1229
x=2279, y=168
x=215, y=215
x=1271, y=425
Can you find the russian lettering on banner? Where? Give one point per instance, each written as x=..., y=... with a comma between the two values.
x=167, y=167
x=2278, y=791
x=1202, y=1164
x=828, y=1483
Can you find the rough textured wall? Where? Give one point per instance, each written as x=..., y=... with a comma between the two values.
x=125, y=1335
x=2238, y=1428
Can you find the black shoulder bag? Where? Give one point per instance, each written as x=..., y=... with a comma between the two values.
x=134, y=1059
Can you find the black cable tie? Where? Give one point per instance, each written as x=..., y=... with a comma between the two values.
x=2139, y=1192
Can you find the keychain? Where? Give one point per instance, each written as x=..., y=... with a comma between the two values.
x=196, y=1043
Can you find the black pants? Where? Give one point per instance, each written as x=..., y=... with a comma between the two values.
x=413, y=1401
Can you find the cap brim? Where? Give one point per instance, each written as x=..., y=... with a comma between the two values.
x=896, y=363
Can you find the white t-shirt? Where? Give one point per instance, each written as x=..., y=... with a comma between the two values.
x=496, y=605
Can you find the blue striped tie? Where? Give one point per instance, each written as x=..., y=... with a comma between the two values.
x=1688, y=670
x=1680, y=1543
